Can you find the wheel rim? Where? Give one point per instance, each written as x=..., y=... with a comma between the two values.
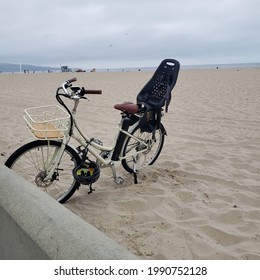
x=32, y=165
x=149, y=155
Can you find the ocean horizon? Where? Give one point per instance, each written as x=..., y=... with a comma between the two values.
x=187, y=67
x=15, y=68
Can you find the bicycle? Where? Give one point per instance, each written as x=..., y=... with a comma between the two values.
x=59, y=169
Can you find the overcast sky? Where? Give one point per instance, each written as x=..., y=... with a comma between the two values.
x=131, y=33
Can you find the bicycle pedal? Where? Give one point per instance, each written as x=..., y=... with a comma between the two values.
x=119, y=180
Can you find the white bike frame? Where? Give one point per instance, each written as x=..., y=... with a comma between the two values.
x=94, y=148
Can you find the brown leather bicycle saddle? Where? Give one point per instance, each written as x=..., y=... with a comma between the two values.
x=128, y=107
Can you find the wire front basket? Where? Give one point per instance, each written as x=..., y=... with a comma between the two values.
x=47, y=122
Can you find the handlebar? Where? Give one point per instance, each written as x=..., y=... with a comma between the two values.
x=77, y=92
x=93, y=91
x=72, y=80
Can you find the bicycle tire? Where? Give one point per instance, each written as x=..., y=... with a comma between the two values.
x=148, y=157
x=29, y=160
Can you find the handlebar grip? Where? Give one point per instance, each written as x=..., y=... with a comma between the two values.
x=93, y=91
x=72, y=80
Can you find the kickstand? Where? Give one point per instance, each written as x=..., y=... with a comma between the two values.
x=91, y=190
x=135, y=178
x=135, y=171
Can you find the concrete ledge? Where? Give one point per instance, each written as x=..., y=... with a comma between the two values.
x=35, y=226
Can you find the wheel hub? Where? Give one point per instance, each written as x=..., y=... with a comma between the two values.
x=39, y=180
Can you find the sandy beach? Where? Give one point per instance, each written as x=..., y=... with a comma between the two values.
x=201, y=198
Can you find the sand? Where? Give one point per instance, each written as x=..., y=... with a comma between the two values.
x=201, y=199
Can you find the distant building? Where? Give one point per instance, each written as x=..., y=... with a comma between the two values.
x=65, y=68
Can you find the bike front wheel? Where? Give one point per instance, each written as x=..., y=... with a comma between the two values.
x=32, y=160
x=135, y=159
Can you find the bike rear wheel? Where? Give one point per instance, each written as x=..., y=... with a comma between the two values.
x=154, y=140
x=31, y=160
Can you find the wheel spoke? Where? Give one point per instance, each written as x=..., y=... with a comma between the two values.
x=152, y=148
x=33, y=160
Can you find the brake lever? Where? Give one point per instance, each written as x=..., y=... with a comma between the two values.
x=81, y=93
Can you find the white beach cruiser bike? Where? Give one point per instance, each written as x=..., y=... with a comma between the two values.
x=57, y=168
